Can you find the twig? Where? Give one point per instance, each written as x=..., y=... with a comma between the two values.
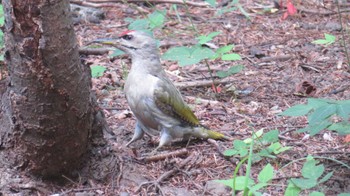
x=341, y=89
x=168, y=174
x=94, y=5
x=325, y=13
x=94, y=51
x=163, y=156
x=277, y=58
x=332, y=152
x=201, y=83
x=110, y=2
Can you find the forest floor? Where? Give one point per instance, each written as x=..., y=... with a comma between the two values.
x=278, y=58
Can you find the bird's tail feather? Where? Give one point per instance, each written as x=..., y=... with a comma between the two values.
x=205, y=133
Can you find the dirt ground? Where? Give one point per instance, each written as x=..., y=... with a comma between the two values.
x=278, y=57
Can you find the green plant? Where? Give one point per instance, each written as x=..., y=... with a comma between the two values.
x=195, y=54
x=328, y=39
x=97, y=71
x=266, y=145
x=311, y=172
x=191, y=54
x=313, y=175
x=149, y=23
x=323, y=114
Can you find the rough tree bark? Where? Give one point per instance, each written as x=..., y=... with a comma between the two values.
x=47, y=112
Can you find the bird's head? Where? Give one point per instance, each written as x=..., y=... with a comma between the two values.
x=132, y=42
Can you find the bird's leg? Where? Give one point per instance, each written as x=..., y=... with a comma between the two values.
x=138, y=133
x=165, y=138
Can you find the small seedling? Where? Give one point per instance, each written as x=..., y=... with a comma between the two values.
x=328, y=39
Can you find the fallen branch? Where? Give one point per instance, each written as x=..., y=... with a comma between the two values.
x=202, y=83
x=277, y=58
x=94, y=5
x=94, y=51
x=159, y=157
x=108, y=3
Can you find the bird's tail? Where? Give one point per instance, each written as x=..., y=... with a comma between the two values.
x=205, y=133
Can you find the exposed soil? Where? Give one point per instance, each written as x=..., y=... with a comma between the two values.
x=279, y=62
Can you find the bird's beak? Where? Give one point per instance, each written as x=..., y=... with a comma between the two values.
x=107, y=41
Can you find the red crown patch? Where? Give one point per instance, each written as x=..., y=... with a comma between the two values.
x=125, y=32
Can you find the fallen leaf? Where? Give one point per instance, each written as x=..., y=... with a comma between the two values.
x=306, y=88
x=347, y=139
x=291, y=9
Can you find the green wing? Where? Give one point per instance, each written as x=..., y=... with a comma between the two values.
x=169, y=100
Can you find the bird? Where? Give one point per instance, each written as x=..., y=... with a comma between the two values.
x=152, y=97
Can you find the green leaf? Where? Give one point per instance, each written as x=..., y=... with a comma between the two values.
x=311, y=170
x=344, y=194
x=343, y=110
x=329, y=39
x=280, y=150
x=186, y=55
x=322, y=113
x=266, y=153
x=230, y=152
x=246, y=14
x=212, y=3
x=156, y=19
x=2, y=18
x=304, y=183
x=343, y=128
x=326, y=177
x=266, y=174
x=256, y=158
x=97, y=71
x=256, y=187
x=271, y=136
x=231, y=57
x=201, y=53
x=139, y=24
x=292, y=190
x=320, y=41
x=316, y=128
x=232, y=70
x=241, y=147
x=277, y=148
x=258, y=134
x=316, y=193
x=224, y=49
x=117, y=52
x=255, y=135
x=316, y=103
x=204, y=39
x=297, y=110
x=239, y=182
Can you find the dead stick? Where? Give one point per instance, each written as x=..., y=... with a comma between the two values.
x=109, y=2
x=94, y=51
x=201, y=83
x=168, y=173
x=159, y=157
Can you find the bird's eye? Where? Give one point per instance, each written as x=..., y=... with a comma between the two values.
x=127, y=37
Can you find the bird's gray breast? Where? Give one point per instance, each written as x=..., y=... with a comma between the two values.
x=139, y=90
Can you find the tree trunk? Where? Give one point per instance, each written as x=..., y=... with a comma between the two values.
x=47, y=112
